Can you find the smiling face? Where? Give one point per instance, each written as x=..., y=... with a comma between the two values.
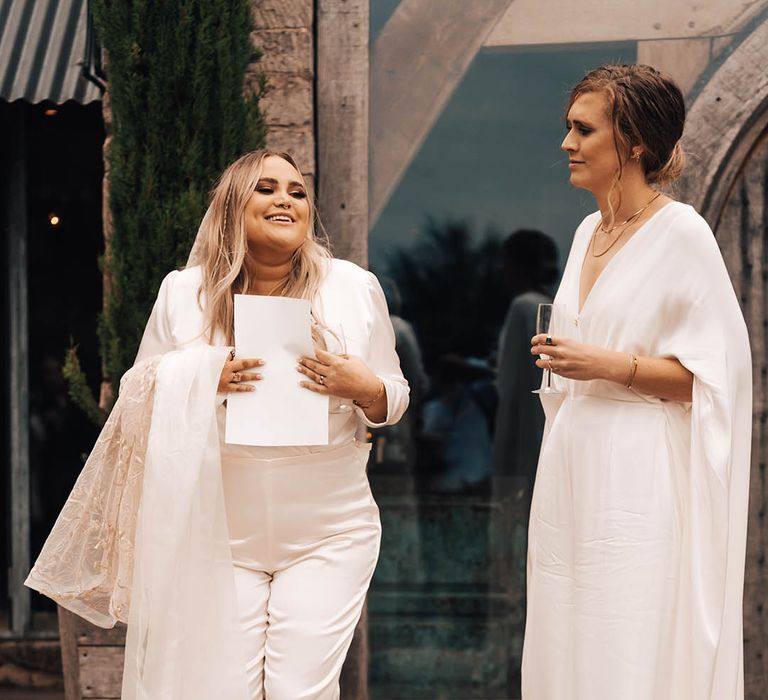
x=589, y=143
x=277, y=213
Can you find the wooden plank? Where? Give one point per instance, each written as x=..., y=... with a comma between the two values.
x=417, y=62
x=18, y=369
x=91, y=635
x=723, y=123
x=342, y=124
x=342, y=101
x=101, y=671
x=532, y=22
x=69, y=662
x=684, y=59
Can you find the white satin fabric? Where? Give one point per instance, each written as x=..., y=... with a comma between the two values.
x=350, y=303
x=184, y=638
x=638, y=523
x=304, y=533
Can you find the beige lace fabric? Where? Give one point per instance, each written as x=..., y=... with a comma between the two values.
x=86, y=564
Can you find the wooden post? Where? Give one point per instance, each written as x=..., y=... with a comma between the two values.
x=342, y=124
x=18, y=369
x=342, y=28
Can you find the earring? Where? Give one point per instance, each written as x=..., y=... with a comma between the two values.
x=635, y=155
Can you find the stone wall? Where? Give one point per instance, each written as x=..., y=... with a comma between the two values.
x=284, y=33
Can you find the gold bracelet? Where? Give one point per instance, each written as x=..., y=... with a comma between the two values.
x=632, y=370
x=373, y=400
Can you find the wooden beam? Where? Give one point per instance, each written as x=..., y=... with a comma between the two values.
x=342, y=124
x=723, y=124
x=18, y=369
x=70, y=665
x=417, y=62
x=341, y=118
x=533, y=22
x=682, y=59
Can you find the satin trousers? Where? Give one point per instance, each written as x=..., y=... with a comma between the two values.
x=304, y=533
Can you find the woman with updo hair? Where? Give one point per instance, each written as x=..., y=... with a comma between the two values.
x=638, y=522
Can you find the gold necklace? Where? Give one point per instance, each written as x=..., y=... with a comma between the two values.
x=625, y=224
x=631, y=218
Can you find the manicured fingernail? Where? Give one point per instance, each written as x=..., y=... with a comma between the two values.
x=258, y=376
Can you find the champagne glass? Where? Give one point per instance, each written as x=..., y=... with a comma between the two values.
x=546, y=320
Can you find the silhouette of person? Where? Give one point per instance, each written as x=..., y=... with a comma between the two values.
x=529, y=264
x=395, y=444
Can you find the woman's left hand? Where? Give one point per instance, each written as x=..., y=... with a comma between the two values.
x=343, y=376
x=574, y=360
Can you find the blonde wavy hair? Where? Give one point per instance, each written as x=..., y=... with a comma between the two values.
x=222, y=245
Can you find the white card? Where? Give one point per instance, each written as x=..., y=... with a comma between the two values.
x=279, y=412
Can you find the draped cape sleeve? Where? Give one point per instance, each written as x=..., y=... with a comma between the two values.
x=707, y=334
x=668, y=294
x=86, y=564
x=143, y=537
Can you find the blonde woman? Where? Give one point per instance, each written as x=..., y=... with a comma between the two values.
x=638, y=523
x=249, y=579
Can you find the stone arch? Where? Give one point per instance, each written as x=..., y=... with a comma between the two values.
x=724, y=122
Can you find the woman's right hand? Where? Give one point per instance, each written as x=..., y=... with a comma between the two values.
x=235, y=371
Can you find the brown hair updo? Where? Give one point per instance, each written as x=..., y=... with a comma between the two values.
x=648, y=110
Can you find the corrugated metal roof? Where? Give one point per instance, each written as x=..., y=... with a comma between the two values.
x=42, y=47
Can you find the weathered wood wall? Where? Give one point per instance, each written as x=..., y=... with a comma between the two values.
x=92, y=658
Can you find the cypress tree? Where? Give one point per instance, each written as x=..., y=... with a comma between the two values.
x=179, y=115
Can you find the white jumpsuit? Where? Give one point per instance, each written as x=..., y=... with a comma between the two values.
x=304, y=529
x=638, y=522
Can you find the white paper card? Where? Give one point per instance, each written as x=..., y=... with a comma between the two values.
x=279, y=412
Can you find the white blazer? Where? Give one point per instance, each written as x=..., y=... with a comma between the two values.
x=349, y=298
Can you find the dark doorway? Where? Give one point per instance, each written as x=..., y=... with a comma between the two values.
x=60, y=163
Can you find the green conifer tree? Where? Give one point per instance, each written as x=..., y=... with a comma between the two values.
x=179, y=115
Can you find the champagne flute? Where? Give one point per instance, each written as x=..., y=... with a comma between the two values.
x=546, y=320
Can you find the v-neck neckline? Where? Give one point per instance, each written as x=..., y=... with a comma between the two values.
x=610, y=262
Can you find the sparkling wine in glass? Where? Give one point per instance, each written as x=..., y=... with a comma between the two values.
x=546, y=318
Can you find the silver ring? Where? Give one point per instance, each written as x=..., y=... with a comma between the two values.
x=551, y=368
x=235, y=377
x=321, y=380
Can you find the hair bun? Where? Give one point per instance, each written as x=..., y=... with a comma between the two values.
x=669, y=171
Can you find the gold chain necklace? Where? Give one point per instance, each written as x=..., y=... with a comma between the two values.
x=625, y=224
x=630, y=218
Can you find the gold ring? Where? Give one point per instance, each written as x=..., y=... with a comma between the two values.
x=551, y=368
x=548, y=340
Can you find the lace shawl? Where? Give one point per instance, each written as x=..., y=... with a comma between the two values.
x=86, y=564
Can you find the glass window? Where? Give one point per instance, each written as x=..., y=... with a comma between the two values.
x=453, y=480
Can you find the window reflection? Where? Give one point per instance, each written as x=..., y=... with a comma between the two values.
x=467, y=247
